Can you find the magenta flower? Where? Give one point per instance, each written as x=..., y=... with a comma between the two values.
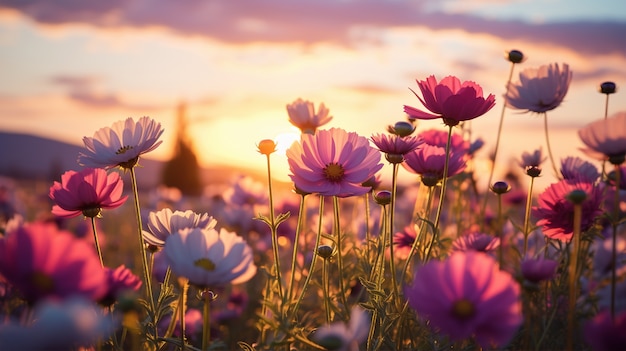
x=603, y=333
x=86, y=192
x=333, y=163
x=577, y=169
x=403, y=241
x=208, y=258
x=341, y=337
x=120, y=280
x=539, y=89
x=394, y=146
x=606, y=138
x=556, y=212
x=450, y=100
x=468, y=295
x=302, y=115
x=428, y=161
x=476, y=242
x=121, y=144
x=42, y=261
x=538, y=269
x=437, y=137
x=164, y=223
x=246, y=191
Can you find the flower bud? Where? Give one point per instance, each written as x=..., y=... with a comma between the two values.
x=325, y=251
x=383, y=197
x=394, y=158
x=533, y=171
x=401, y=129
x=267, y=146
x=500, y=188
x=515, y=56
x=608, y=88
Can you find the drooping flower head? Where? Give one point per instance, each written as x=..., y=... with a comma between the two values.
x=121, y=144
x=208, y=258
x=468, y=295
x=428, y=161
x=163, y=223
x=302, y=115
x=341, y=337
x=86, y=192
x=394, y=146
x=577, y=168
x=606, y=138
x=333, y=163
x=42, y=261
x=539, y=89
x=450, y=100
x=556, y=212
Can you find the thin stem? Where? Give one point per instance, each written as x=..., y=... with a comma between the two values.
x=545, y=127
x=367, y=226
x=529, y=200
x=442, y=195
x=144, y=258
x=337, y=230
x=274, y=233
x=206, y=319
x=181, y=310
x=325, y=290
x=95, y=240
x=614, y=221
x=495, y=151
x=296, y=243
x=392, y=265
x=423, y=227
x=500, y=233
x=312, y=267
x=573, y=275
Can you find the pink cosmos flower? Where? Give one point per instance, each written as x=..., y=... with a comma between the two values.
x=333, y=163
x=246, y=191
x=42, y=261
x=531, y=162
x=539, y=89
x=394, y=144
x=438, y=137
x=450, y=100
x=428, y=161
x=476, y=242
x=603, y=333
x=86, y=192
x=341, y=337
x=208, y=258
x=120, y=280
x=468, y=295
x=577, y=168
x=121, y=144
x=403, y=241
x=606, y=138
x=556, y=212
x=538, y=269
x=302, y=115
x=164, y=223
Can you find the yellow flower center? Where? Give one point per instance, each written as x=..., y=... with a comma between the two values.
x=205, y=264
x=334, y=172
x=463, y=309
x=123, y=149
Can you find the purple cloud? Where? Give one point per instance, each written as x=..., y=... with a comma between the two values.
x=245, y=21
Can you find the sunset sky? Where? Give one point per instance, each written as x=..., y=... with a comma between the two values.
x=70, y=67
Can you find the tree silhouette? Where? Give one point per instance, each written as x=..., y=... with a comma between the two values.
x=182, y=170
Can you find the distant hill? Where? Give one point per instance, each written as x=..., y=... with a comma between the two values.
x=24, y=156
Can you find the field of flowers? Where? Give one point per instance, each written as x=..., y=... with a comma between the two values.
x=338, y=261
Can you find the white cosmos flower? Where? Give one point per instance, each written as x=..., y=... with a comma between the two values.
x=208, y=258
x=121, y=144
x=164, y=223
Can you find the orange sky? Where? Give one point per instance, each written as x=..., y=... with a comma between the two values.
x=69, y=69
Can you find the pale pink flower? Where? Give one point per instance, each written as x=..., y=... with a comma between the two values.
x=302, y=115
x=86, y=192
x=208, y=258
x=121, y=144
x=333, y=163
x=468, y=295
x=539, y=89
x=166, y=222
x=428, y=161
x=341, y=337
x=450, y=100
x=606, y=138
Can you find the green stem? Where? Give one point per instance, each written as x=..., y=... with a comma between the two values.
x=181, y=310
x=529, y=200
x=545, y=127
x=422, y=231
x=296, y=243
x=614, y=222
x=206, y=320
x=313, y=260
x=274, y=233
x=442, y=195
x=495, y=151
x=337, y=229
x=95, y=239
x=325, y=290
x=573, y=275
x=367, y=227
x=500, y=233
x=392, y=264
x=142, y=248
